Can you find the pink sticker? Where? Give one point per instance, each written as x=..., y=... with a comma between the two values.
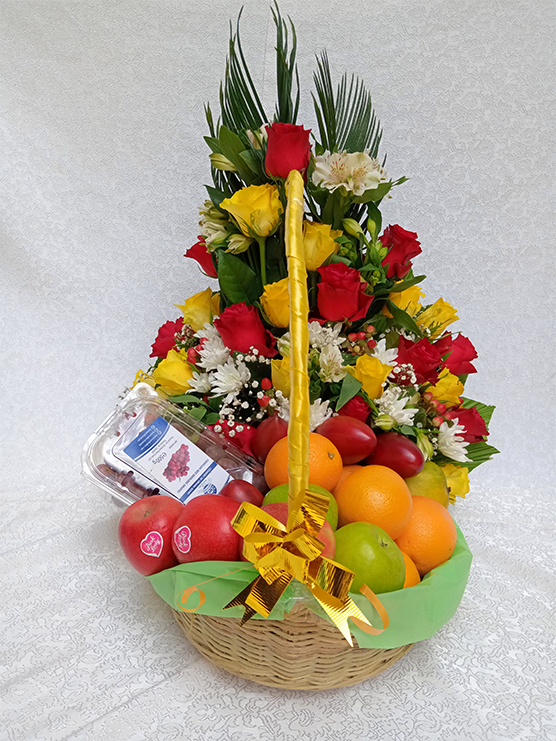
x=182, y=539
x=152, y=543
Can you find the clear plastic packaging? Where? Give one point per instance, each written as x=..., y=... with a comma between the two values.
x=150, y=446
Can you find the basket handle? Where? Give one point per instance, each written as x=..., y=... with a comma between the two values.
x=298, y=427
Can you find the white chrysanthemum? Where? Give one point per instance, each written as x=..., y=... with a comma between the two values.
x=214, y=352
x=356, y=172
x=451, y=443
x=200, y=383
x=386, y=357
x=319, y=412
x=229, y=379
x=320, y=336
x=393, y=404
x=331, y=364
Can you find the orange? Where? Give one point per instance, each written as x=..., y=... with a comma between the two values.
x=411, y=574
x=375, y=494
x=325, y=463
x=346, y=470
x=430, y=537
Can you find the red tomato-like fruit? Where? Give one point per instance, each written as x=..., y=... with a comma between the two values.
x=242, y=491
x=267, y=434
x=203, y=531
x=397, y=452
x=145, y=533
x=279, y=510
x=354, y=439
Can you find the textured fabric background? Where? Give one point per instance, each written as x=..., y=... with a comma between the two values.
x=101, y=176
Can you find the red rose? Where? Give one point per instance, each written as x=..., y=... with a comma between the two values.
x=342, y=294
x=287, y=149
x=461, y=352
x=403, y=245
x=356, y=407
x=200, y=253
x=241, y=328
x=423, y=356
x=475, y=427
x=165, y=339
x=241, y=440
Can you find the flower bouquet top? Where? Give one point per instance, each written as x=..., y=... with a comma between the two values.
x=379, y=350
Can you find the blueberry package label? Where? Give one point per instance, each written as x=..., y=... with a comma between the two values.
x=173, y=462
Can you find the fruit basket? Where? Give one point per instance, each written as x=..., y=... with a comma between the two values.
x=289, y=459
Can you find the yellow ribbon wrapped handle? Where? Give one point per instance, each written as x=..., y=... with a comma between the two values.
x=280, y=553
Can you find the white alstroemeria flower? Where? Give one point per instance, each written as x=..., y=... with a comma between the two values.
x=331, y=364
x=284, y=343
x=356, y=172
x=393, y=404
x=450, y=442
x=200, y=383
x=214, y=226
x=229, y=379
x=214, y=352
x=318, y=413
x=320, y=336
x=258, y=137
x=386, y=357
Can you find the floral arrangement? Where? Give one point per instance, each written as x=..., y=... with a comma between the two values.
x=379, y=350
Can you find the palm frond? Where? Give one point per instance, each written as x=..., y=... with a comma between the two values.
x=346, y=120
x=240, y=104
x=286, y=70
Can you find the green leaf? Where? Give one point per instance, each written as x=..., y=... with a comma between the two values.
x=397, y=287
x=338, y=258
x=408, y=430
x=373, y=213
x=463, y=379
x=186, y=399
x=232, y=148
x=286, y=70
x=479, y=453
x=213, y=143
x=215, y=195
x=197, y=412
x=251, y=160
x=484, y=410
x=374, y=194
x=350, y=388
x=402, y=318
x=237, y=280
x=211, y=418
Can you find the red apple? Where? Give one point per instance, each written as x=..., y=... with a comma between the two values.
x=242, y=491
x=397, y=452
x=354, y=439
x=267, y=434
x=279, y=510
x=145, y=533
x=203, y=531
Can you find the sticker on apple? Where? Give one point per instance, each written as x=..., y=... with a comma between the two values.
x=152, y=543
x=182, y=539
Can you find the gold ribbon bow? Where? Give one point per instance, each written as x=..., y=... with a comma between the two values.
x=281, y=554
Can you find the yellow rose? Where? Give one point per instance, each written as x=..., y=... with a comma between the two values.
x=372, y=374
x=257, y=209
x=174, y=373
x=408, y=300
x=318, y=243
x=276, y=303
x=281, y=375
x=200, y=308
x=437, y=317
x=448, y=388
x=457, y=478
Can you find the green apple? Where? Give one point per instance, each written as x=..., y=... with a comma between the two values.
x=430, y=482
x=280, y=494
x=372, y=555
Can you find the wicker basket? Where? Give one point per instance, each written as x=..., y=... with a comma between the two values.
x=302, y=651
